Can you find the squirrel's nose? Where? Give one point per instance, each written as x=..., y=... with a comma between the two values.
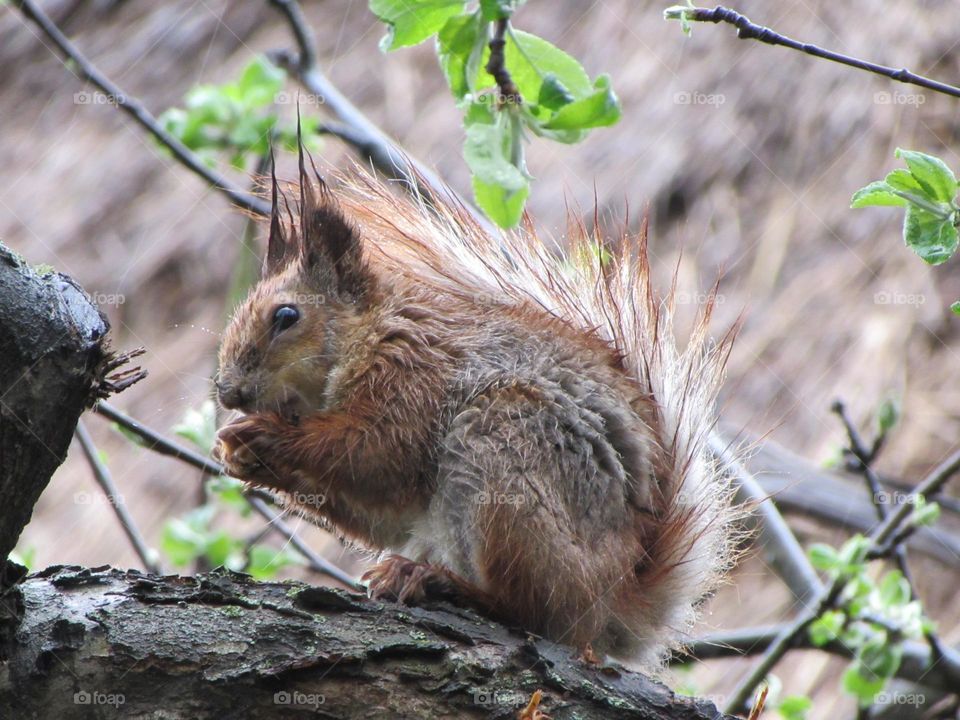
x=232, y=396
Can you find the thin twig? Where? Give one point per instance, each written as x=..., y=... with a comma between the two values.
x=497, y=66
x=258, y=499
x=747, y=30
x=865, y=458
x=886, y=530
x=355, y=127
x=115, y=499
x=135, y=109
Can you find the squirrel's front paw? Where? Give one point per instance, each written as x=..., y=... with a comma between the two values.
x=251, y=449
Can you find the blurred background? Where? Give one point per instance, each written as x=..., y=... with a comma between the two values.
x=743, y=155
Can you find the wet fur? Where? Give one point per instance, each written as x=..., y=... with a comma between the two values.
x=521, y=427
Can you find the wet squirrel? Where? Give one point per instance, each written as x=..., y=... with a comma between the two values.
x=513, y=427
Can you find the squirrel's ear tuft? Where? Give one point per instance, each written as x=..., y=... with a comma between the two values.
x=279, y=247
x=330, y=246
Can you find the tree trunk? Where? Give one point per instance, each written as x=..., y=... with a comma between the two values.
x=51, y=347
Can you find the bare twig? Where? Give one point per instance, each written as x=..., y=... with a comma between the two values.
x=497, y=66
x=258, y=500
x=115, y=499
x=864, y=458
x=135, y=109
x=354, y=127
x=746, y=30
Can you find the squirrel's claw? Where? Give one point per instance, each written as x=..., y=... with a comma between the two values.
x=248, y=450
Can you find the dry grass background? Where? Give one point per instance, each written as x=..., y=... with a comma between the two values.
x=754, y=185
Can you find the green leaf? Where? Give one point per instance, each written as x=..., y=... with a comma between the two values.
x=461, y=37
x=823, y=557
x=876, y=193
x=530, y=60
x=199, y=426
x=888, y=414
x=931, y=173
x=497, y=9
x=265, y=561
x=494, y=155
x=504, y=207
x=955, y=307
x=860, y=687
x=903, y=180
x=600, y=109
x=931, y=237
x=894, y=589
x=827, y=627
x=925, y=513
x=412, y=21
x=795, y=707
x=553, y=93
x=260, y=82
x=879, y=659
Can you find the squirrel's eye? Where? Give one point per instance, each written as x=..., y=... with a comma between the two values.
x=284, y=317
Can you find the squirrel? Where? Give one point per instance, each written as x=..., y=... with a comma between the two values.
x=505, y=425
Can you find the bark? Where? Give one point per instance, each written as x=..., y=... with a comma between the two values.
x=105, y=643
x=51, y=350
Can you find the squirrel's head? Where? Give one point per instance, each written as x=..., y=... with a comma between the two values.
x=281, y=343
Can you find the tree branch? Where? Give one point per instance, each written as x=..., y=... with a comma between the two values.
x=361, y=133
x=787, y=556
x=879, y=538
x=135, y=109
x=747, y=30
x=917, y=666
x=222, y=645
x=115, y=499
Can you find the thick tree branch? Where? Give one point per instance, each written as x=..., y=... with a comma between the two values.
x=747, y=30
x=223, y=646
x=53, y=358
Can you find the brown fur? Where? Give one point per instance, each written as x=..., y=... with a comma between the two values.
x=518, y=430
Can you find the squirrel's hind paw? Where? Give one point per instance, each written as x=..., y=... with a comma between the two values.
x=412, y=583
